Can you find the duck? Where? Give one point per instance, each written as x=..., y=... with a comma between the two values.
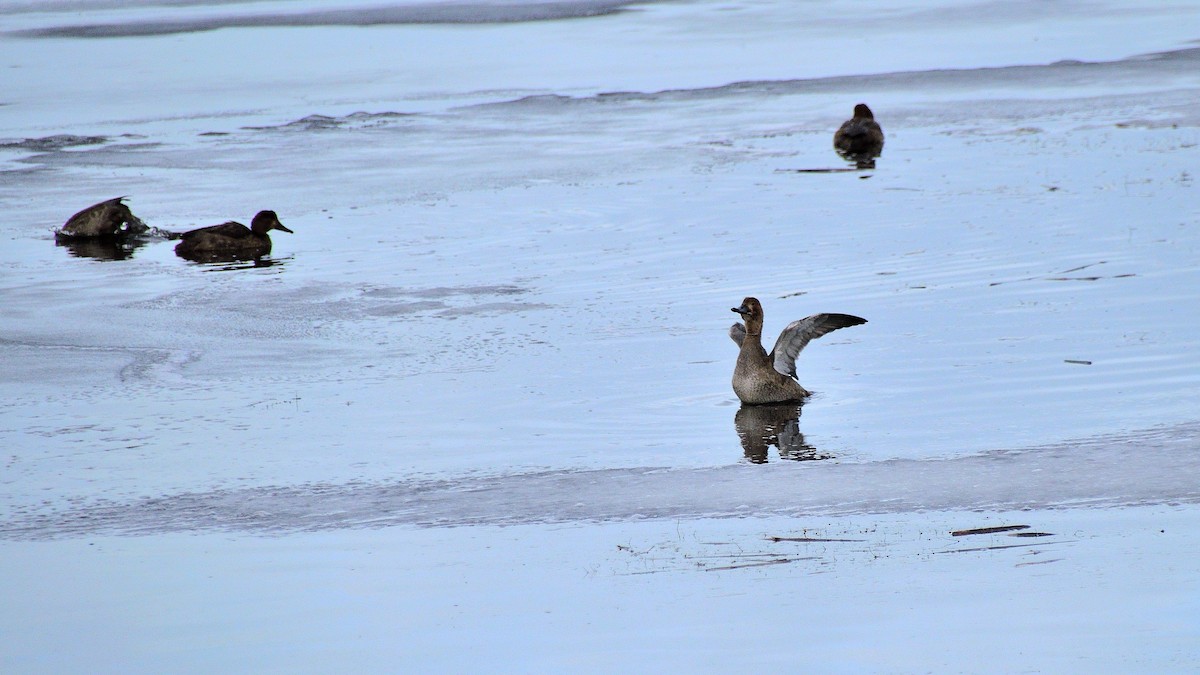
x=760, y=378
x=110, y=219
x=231, y=240
x=859, y=137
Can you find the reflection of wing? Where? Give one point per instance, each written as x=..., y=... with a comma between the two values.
x=791, y=441
x=798, y=334
x=737, y=332
x=232, y=230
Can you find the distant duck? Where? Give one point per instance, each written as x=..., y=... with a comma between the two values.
x=231, y=240
x=859, y=138
x=760, y=377
x=107, y=220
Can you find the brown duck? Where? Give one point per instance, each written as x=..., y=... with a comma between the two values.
x=231, y=240
x=859, y=137
x=760, y=377
x=107, y=220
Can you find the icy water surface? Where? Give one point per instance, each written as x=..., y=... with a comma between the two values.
x=519, y=228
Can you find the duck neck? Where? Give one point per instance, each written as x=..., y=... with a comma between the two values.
x=754, y=328
x=752, y=343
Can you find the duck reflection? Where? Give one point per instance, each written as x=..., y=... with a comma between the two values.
x=761, y=426
x=231, y=259
x=218, y=264
x=101, y=249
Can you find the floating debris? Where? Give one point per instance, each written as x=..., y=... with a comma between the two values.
x=809, y=539
x=988, y=530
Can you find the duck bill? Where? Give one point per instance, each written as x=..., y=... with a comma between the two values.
x=279, y=226
x=743, y=310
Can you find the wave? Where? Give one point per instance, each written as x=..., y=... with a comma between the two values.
x=1183, y=62
x=1156, y=466
x=432, y=13
x=1064, y=78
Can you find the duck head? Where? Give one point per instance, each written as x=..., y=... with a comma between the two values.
x=862, y=112
x=265, y=221
x=752, y=312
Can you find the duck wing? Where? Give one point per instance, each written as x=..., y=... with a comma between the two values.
x=231, y=230
x=737, y=333
x=854, y=129
x=798, y=334
x=858, y=136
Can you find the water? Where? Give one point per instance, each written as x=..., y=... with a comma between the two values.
x=517, y=240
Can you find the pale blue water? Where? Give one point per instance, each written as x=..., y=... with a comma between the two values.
x=517, y=242
x=539, y=274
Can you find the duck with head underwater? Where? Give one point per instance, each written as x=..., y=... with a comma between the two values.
x=110, y=219
x=760, y=377
x=231, y=240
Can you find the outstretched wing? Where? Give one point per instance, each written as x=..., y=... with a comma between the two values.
x=798, y=334
x=737, y=332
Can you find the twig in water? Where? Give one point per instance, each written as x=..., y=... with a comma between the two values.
x=988, y=530
x=764, y=563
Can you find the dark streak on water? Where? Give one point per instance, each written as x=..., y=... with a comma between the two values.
x=323, y=122
x=52, y=143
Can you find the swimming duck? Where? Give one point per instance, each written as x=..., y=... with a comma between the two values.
x=760, y=377
x=859, y=137
x=107, y=220
x=231, y=240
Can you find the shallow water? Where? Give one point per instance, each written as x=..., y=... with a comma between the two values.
x=886, y=593
x=516, y=246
